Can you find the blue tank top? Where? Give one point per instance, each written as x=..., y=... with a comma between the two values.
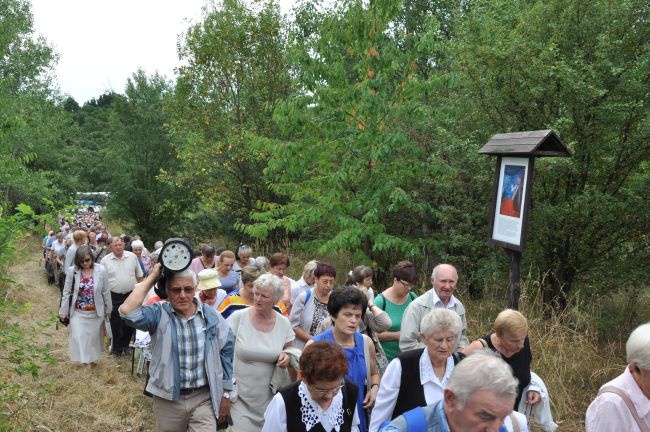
x=356, y=369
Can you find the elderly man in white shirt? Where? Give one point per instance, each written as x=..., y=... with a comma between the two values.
x=122, y=273
x=444, y=278
x=623, y=404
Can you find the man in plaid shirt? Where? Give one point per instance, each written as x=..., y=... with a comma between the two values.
x=192, y=351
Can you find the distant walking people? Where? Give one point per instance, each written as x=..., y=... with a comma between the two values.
x=623, y=404
x=190, y=376
x=227, y=276
x=85, y=302
x=143, y=260
x=123, y=271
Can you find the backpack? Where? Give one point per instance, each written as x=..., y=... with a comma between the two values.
x=415, y=420
x=412, y=296
x=307, y=297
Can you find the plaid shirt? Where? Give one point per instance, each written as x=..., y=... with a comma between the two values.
x=191, y=348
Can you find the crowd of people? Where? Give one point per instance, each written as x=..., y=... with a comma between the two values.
x=236, y=343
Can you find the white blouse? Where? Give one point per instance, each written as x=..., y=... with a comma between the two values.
x=390, y=385
x=275, y=417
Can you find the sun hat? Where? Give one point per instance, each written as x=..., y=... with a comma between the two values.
x=208, y=279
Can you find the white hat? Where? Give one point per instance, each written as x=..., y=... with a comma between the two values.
x=208, y=279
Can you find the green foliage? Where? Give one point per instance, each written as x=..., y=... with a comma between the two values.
x=234, y=76
x=17, y=349
x=354, y=130
x=357, y=161
x=580, y=68
x=30, y=123
x=141, y=148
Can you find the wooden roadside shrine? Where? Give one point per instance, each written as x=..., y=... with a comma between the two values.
x=513, y=187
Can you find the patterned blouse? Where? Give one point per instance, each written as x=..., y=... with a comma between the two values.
x=86, y=297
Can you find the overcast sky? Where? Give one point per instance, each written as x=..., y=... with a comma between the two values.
x=101, y=43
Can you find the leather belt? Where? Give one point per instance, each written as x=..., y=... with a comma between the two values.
x=189, y=391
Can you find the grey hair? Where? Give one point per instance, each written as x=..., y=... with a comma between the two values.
x=267, y=280
x=137, y=244
x=158, y=244
x=244, y=249
x=187, y=273
x=638, y=347
x=483, y=370
x=440, y=319
x=434, y=273
x=309, y=269
x=262, y=261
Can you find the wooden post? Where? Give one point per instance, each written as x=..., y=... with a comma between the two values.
x=514, y=278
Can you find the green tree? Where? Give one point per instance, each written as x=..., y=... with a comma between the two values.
x=31, y=125
x=580, y=68
x=140, y=151
x=354, y=156
x=234, y=76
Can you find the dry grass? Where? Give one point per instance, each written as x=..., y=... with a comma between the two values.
x=66, y=396
x=568, y=353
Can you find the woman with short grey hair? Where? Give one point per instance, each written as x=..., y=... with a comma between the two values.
x=306, y=282
x=261, y=335
x=419, y=377
x=243, y=257
x=145, y=262
x=272, y=282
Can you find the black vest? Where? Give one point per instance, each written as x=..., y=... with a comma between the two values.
x=411, y=392
x=292, y=406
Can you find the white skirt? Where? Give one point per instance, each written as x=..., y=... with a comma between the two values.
x=86, y=338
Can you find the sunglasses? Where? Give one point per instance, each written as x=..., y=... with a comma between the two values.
x=187, y=290
x=87, y=260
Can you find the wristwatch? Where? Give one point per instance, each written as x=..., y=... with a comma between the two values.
x=226, y=395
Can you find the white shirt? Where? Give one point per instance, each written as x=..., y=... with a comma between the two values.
x=275, y=416
x=608, y=412
x=298, y=287
x=521, y=421
x=121, y=273
x=390, y=385
x=59, y=248
x=69, y=256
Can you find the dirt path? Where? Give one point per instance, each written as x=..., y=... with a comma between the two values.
x=66, y=396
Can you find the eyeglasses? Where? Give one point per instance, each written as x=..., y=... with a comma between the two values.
x=406, y=284
x=323, y=392
x=186, y=290
x=450, y=340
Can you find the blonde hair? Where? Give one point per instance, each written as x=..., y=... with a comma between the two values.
x=510, y=322
x=79, y=236
x=227, y=254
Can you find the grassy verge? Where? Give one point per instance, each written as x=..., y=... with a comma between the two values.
x=54, y=394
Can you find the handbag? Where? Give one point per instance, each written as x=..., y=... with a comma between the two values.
x=66, y=321
x=380, y=354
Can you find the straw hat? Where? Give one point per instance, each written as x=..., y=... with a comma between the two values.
x=208, y=279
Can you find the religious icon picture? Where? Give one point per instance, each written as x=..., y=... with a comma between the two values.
x=512, y=191
x=508, y=215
